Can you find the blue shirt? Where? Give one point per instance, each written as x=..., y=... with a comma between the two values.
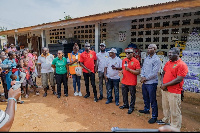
x=150, y=69
x=9, y=62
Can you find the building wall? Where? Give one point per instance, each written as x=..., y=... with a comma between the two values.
x=113, y=31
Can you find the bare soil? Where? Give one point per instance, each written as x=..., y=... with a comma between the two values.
x=74, y=113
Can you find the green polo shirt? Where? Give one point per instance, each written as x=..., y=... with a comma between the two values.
x=60, y=65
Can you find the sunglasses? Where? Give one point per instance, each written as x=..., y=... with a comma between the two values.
x=129, y=52
x=59, y=53
x=87, y=46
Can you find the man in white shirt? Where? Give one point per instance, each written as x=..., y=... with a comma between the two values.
x=111, y=73
x=102, y=56
x=45, y=70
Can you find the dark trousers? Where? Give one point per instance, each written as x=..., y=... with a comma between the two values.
x=92, y=80
x=61, y=78
x=125, y=90
x=101, y=77
x=113, y=83
x=149, y=96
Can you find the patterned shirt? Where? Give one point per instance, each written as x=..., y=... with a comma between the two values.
x=3, y=118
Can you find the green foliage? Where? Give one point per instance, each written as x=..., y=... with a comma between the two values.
x=66, y=18
x=3, y=28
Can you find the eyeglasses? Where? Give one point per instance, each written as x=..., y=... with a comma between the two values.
x=129, y=52
x=59, y=53
x=87, y=46
x=102, y=46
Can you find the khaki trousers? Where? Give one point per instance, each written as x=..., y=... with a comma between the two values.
x=171, y=104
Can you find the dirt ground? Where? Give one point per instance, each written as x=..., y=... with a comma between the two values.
x=74, y=113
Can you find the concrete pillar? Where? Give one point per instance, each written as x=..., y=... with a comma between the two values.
x=16, y=39
x=43, y=36
x=97, y=37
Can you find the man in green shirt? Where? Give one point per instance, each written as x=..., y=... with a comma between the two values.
x=62, y=72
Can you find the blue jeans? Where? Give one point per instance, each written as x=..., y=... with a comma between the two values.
x=113, y=83
x=149, y=96
x=76, y=80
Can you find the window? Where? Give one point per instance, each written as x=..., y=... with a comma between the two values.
x=175, y=23
x=175, y=31
x=141, y=26
x=165, y=32
x=140, y=39
x=148, y=39
x=149, y=25
x=164, y=46
x=166, y=17
x=141, y=20
x=133, y=33
x=165, y=39
x=176, y=15
x=148, y=32
x=156, y=32
x=156, y=39
x=140, y=32
x=197, y=13
x=187, y=14
x=133, y=39
x=165, y=24
x=185, y=30
x=135, y=20
x=186, y=22
x=197, y=21
x=157, y=18
x=148, y=19
x=156, y=25
x=134, y=27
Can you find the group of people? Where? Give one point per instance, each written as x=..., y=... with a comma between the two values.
x=110, y=69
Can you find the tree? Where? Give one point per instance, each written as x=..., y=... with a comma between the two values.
x=3, y=28
x=67, y=17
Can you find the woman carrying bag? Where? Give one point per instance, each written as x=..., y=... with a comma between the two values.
x=75, y=69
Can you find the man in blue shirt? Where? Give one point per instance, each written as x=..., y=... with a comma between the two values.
x=149, y=78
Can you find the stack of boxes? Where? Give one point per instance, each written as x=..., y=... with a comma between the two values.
x=191, y=56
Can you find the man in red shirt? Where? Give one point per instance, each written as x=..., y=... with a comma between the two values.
x=88, y=61
x=131, y=68
x=173, y=74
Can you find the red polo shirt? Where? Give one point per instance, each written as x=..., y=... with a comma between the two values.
x=128, y=77
x=172, y=70
x=88, y=60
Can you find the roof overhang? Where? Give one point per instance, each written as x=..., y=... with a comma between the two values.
x=115, y=15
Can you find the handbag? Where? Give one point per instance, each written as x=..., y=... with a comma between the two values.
x=78, y=70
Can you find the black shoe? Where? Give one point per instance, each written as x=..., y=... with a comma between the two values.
x=101, y=97
x=124, y=106
x=66, y=95
x=45, y=94
x=58, y=96
x=95, y=99
x=54, y=93
x=47, y=87
x=117, y=103
x=160, y=122
x=107, y=102
x=152, y=120
x=145, y=112
x=130, y=111
x=86, y=96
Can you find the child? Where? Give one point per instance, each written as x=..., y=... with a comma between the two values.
x=28, y=79
x=14, y=77
x=3, y=78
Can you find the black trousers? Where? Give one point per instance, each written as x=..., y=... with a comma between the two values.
x=125, y=90
x=92, y=80
x=61, y=78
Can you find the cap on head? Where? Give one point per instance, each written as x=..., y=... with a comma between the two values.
x=153, y=46
x=129, y=50
x=103, y=44
x=113, y=50
x=87, y=44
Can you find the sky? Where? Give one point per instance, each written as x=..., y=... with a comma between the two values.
x=16, y=14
